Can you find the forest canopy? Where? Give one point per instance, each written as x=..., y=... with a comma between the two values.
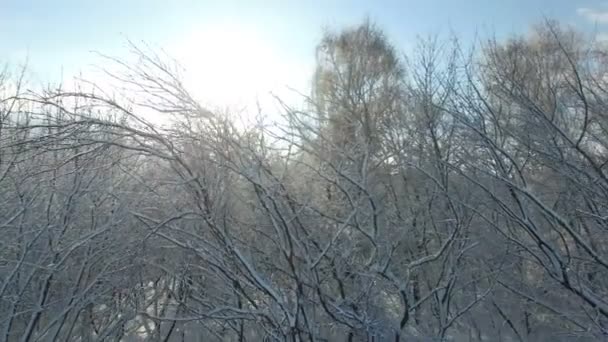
x=448, y=194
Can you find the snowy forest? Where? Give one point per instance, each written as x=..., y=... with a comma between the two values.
x=458, y=192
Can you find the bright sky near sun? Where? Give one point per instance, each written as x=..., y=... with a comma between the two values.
x=235, y=51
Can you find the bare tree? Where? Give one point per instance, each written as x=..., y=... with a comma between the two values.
x=464, y=199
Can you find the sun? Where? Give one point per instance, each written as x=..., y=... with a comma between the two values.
x=234, y=66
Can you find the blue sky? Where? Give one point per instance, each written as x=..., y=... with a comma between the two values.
x=60, y=35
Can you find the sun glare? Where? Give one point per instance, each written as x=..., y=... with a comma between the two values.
x=235, y=67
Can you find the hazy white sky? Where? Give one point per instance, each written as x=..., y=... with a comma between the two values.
x=237, y=50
